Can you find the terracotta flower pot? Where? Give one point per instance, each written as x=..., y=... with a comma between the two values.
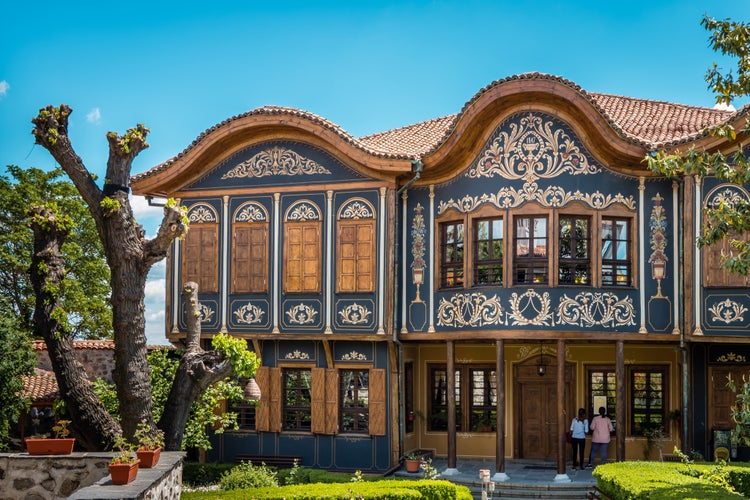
x=149, y=458
x=411, y=465
x=123, y=473
x=50, y=446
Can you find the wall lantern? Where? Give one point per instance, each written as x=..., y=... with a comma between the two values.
x=541, y=368
x=658, y=270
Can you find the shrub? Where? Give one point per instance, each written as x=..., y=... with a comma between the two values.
x=197, y=474
x=247, y=475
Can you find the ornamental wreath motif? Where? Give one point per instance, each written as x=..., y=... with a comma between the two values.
x=275, y=161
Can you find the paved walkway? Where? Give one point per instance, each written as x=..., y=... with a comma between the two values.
x=522, y=471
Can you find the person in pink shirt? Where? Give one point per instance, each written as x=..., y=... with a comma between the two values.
x=601, y=429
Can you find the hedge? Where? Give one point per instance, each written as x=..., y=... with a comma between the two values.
x=669, y=481
x=392, y=489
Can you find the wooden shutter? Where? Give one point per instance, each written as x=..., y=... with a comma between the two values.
x=274, y=404
x=302, y=251
x=713, y=273
x=376, y=402
x=250, y=258
x=356, y=256
x=262, y=375
x=318, y=401
x=332, y=402
x=201, y=257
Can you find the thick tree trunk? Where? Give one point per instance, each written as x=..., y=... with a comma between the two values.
x=129, y=254
x=198, y=369
x=92, y=426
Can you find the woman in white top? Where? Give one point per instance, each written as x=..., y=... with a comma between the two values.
x=579, y=427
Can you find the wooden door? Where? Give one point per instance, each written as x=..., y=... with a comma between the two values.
x=535, y=407
x=538, y=420
x=720, y=397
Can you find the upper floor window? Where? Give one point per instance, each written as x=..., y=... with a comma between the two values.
x=354, y=410
x=355, y=247
x=452, y=254
x=715, y=275
x=616, y=256
x=574, y=262
x=250, y=249
x=530, y=259
x=296, y=403
x=200, y=257
x=302, y=248
x=488, y=251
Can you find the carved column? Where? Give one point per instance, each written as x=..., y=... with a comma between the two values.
x=620, y=396
x=642, y=254
x=500, y=474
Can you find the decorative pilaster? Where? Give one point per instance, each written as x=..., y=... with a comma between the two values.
x=642, y=254
x=176, y=281
x=431, y=310
x=329, y=252
x=382, y=266
x=276, y=294
x=404, y=267
x=676, y=258
x=224, y=292
x=697, y=295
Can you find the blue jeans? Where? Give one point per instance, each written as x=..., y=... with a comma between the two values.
x=596, y=447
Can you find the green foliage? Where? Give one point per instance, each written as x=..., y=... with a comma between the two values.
x=740, y=412
x=85, y=291
x=17, y=359
x=728, y=220
x=125, y=451
x=247, y=475
x=244, y=362
x=203, y=474
x=307, y=475
x=110, y=205
x=664, y=480
x=206, y=412
x=148, y=439
x=387, y=489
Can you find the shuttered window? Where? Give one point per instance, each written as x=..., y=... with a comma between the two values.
x=302, y=256
x=356, y=256
x=200, y=257
x=716, y=276
x=250, y=258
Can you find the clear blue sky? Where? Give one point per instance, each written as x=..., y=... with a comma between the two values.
x=181, y=67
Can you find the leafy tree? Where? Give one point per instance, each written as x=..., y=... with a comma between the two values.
x=130, y=256
x=17, y=359
x=727, y=220
x=85, y=293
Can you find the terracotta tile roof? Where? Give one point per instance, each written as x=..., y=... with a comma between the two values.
x=651, y=124
x=658, y=123
x=39, y=345
x=41, y=386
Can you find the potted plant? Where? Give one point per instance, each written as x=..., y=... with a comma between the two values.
x=150, y=443
x=124, y=465
x=411, y=461
x=60, y=444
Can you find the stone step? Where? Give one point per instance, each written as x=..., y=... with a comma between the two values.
x=521, y=491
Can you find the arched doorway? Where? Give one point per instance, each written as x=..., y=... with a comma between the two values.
x=536, y=406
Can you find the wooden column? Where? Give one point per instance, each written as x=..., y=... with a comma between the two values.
x=620, y=395
x=500, y=420
x=450, y=354
x=561, y=407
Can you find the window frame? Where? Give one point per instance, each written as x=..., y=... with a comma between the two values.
x=609, y=392
x=491, y=263
x=256, y=282
x=532, y=262
x=443, y=267
x=633, y=426
x=573, y=261
x=465, y=407
x=299, y=409
x=355, y=411
x=629, y=262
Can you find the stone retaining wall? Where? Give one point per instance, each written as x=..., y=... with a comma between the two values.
x=84, y=476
